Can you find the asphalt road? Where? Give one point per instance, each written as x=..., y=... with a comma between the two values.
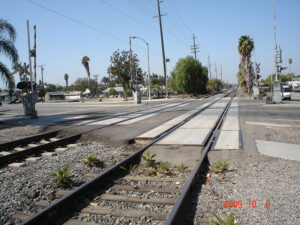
x=255, y=116
x=50, y=113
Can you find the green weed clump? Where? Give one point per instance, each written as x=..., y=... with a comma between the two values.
x=229, y=220
x=149, y=158
x=219, y=167
x=131, y=168
x=91, y=160
x=62, y=177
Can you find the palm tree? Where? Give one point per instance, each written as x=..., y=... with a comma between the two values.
x=85, y=62
x=290, y=62
x=66, y=79
x=7, y=39
x=105, y=80
x=245, y=47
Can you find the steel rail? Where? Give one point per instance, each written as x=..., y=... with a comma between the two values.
x=67, y=203
x=66, y=140
x=177, y=215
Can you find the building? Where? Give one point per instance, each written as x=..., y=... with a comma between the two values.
x=119, y=90
x=295, y=82
x=63, y=96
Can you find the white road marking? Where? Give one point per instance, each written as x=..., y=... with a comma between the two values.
x=138, y=119
x=286, y=120
x=272, y=124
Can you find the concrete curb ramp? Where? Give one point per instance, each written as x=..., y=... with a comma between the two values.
x=278, y=149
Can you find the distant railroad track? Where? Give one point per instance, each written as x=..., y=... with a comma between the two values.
x=85, y=198
x=19, y=149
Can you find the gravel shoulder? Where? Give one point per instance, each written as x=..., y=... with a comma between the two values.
x=255, y=178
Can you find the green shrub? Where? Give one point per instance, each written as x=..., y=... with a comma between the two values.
x=112, y=91
x=63, y=176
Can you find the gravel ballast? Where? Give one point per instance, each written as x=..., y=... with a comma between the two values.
x=255, y=178
x=21, y=187
x=17, y=132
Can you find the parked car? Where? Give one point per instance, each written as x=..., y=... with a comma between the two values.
x=296, y=89
x=286, y=93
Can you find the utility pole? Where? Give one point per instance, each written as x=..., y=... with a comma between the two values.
x=29, y=52
x=130, y=61
x=209, y=67
x=162, y=46
x=29, y=105
x=221, y=73
x=96, y=78
x=216, y=71
x=194, y=47
x=34, y=53
x=42, y=73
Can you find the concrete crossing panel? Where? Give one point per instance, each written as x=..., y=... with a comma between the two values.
x=167, y=125
x=194, y=137
x=228, y=139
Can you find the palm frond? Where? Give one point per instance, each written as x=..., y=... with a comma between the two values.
x=7, y=76
x=7, y=48
x=6, y=27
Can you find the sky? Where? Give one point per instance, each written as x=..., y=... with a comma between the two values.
x=67, y=30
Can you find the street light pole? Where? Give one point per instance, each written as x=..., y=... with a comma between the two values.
x=30, y=68
x=149, y=85
x=275, y=44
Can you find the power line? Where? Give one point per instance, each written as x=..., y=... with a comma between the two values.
x=76, y=21
x=179, y=15
x=83, y=24
x=124, y=13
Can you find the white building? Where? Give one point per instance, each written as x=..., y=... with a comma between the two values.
x=295, y=82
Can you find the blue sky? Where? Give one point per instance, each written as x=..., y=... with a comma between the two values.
x=107, y=24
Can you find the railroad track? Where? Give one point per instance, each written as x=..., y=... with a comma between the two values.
x=34, y=145
x=107, y=196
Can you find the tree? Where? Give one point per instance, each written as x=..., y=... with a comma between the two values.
x=7, y=47
x=120, y=68
x=214, y=84
x=245, y=47
x=81, y=84
x=157, y=80
x=290, y=62
x=66, y=77
x=85, y=62
x=105, y=80
x=282, y=77
x=52, y=87
x=189, y=76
